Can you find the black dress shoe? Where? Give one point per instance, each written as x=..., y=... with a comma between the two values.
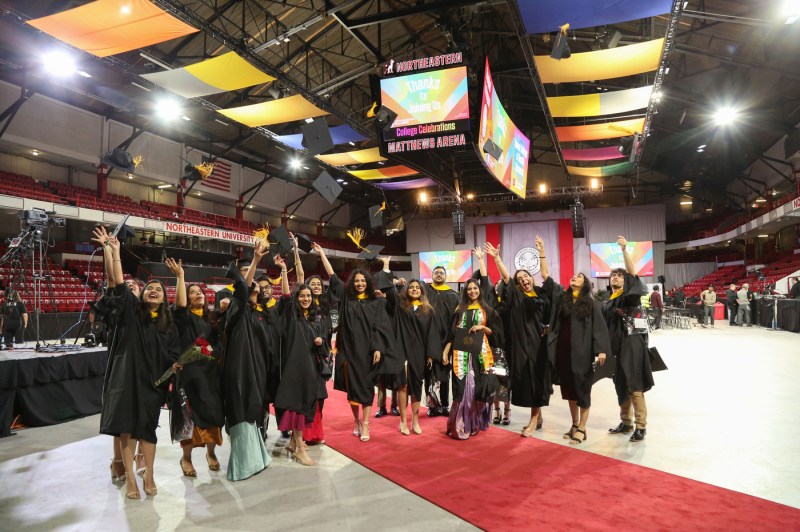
x=433, y=412
x=380, y=413
x=395, y=411
x=622, y=428
x=638, y=434
x=445, y=410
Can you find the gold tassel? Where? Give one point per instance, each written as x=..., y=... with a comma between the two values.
x=564, y=28
x=137, y=161
x=383, y=208
x=204, y=169
x=260, y=236
x=371, y=112
x=356, y=235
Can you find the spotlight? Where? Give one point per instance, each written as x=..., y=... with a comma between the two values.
x=470, y=196
x=686, y=202
x=59, y=63
x=423, y=197
x=168, y=108
x=542, y=189
x=594, y=184
x=34, y=152
x=295, y=164
x=385, y=117
x=125, y=9
x=790, y=10
x=726, y=116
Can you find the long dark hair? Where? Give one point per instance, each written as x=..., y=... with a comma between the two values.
x=164, y=319
x=324, y=302
x=465, y=302
x=351, y=288
x=580, y=307
x=189, y=303
x=313, y=310
x=425, y=306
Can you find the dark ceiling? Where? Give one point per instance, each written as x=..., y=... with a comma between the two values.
x=724, y=52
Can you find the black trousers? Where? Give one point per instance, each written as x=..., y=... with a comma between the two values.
x=733, y=309
x=13, y=333
x=657, y=312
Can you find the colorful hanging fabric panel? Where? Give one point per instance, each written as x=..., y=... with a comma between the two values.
x=340, y=135
x=280, y=111
x=605, y=130
x=592, y=154
x=601, y=103
x=601, y=64
x=544, y=16
x=411, y=184
x=370, y=155
x=600, y=171
x=388, y=172
x=227, y=72
x=108, y=27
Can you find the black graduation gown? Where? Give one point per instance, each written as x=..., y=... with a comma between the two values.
x=417, y=339
x=530, y=370
x=444, y=303
x=201, y=379
x=632, y=361
x=588, y=337
x=246, y=355
x=492, y=322
x=139, y=355
x=299, y=381
x=494, y=300
x=364, y=327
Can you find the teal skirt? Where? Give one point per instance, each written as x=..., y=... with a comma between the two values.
x=248, y=452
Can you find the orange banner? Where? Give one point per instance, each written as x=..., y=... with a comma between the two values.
x=607, y=130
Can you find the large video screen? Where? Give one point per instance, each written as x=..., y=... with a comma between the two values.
x=425, y=99
x=509, y=164
x=608, y=256
x=457, y=263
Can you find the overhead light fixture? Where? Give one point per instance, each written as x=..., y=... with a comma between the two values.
x=666, y=71
x=344, y=182
x=218, y=121
x=148, y=57
x=295, y=163
x=84, y=74
x=423, y=197
x=761, y=200
x=34, y=152
x=790, y=10
x=352, y=143
x=168, y=108
x=309, y=120
x=186, y=118
x=381, y=163
x=763, y=236
x=340, y=180
x=125, y=9
x=470, y=196
x=701, y=147
x=542, y=189
x=129, y=175
x=774, y=192
x=657, y=96
x=709, y=209
x=199, y=193
x=725, y=116
x=685, y=4
x=164, y=186
x=59, y=63
x=286, y=39
x=594, y=184
x=700, y=150
x=249, y=206
x=686, y=202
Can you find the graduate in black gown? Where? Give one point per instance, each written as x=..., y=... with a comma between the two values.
x=200, y=379
x=632, y=373
x=444, y=301
x=302, y=345
x=579, y=336
x=365, y=344
x=247, y=350
x=145, y=345
x=530, y=315
x=471, y=380
x=417, y=340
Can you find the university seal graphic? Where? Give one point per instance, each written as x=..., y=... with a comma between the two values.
x=527, y=259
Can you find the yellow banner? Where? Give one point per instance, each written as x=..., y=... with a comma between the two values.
x=370, y=155
x=389, y=172
x=275, y=112
x=601, y=103
x=601, y=64
x=228, y=72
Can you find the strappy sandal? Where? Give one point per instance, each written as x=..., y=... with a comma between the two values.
x=496, y=418
x=139, y=461
x=132, y=494
x=191, y=473
x=357, y=428
x=574, y=441
x=568, y=435
x=527, y=432
x=506, y=418
x=114, y=476
x=365, y=431
x=212, y=466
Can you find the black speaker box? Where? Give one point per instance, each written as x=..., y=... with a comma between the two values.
x=459, y=232
x=577, y=220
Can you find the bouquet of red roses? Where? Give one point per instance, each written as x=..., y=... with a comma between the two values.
x=201, y=350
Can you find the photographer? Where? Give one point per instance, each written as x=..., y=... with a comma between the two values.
x=15, y=320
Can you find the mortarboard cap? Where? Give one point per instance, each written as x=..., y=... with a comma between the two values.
x=279, y=242
x=375, y=216
x=371, y=253
x=493, y=149
x=316, y=136
x=327, y=187
x=303, y=242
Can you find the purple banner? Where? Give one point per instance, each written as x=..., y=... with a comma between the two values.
x=545, y=16
x=407, y=185
x=592, y=154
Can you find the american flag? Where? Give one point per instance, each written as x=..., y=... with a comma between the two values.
x=220, y=178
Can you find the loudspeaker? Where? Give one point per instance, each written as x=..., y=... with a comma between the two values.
x=459, y=233
x=613, y=38
x=661, y=279
x=577, y=220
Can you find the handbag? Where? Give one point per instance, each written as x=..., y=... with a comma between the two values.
x=180, y=415
x=325, y=365
x=656, y=362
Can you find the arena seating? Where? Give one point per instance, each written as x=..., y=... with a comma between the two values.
x=723, y=276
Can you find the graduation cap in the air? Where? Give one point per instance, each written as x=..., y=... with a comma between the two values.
x=303, y=242
x=371, y=252
x=316, y=136
x=279, y=242
x=327, y=187
x=493, y=149
x=376, y=215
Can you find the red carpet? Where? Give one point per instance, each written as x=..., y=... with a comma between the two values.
x=498, y=480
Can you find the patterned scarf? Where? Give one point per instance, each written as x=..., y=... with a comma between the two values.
x=461, y=358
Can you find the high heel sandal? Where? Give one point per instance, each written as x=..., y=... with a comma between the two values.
x=191, y=473
x=574, y=441
x=539, y=422
x=506, y=418
x=139, y=461
x=305, y=460
x=114, y=476
x=365, y=429
x=357, y=429
x=496, y=418
x=404, y=429
x=568, y=435
x=212, y=467
x=527, y=432
x=415, y=428
x=132, y=494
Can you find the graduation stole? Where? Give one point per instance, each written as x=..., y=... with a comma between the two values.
x=271, y=302
x=362, y=295
x=153, y=314
x=197, y=312
x=461, y=358
x=615, y=295
x=441, y=288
